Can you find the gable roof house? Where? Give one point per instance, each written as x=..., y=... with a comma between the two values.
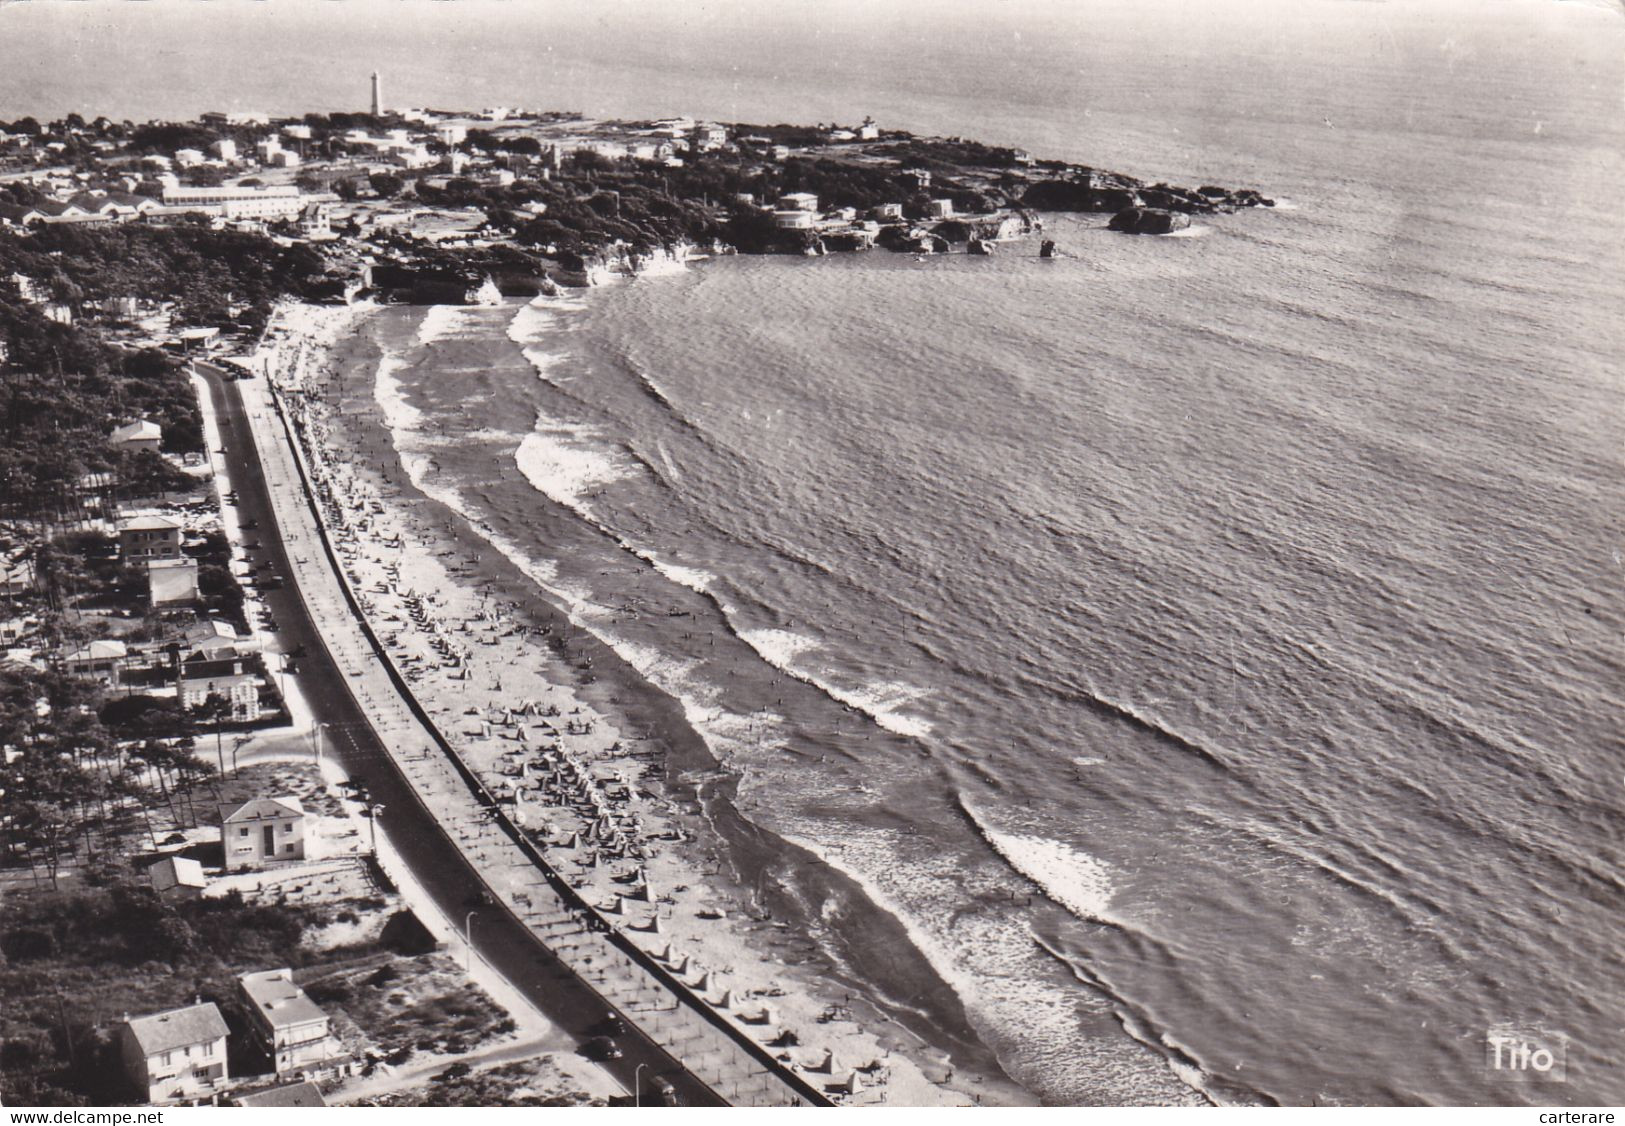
x=177, y=877
x=138, y=435
x=176, y=1054
x=262, y=831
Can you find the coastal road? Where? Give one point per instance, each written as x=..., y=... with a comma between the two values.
x=416, y=836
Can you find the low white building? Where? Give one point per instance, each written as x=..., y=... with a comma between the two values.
x=172, y=582
x=798, y=201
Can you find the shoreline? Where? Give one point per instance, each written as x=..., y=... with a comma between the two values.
x=624, y=703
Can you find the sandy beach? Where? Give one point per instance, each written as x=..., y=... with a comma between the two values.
x=595, y=772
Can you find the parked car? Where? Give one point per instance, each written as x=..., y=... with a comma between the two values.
x=601, y=1048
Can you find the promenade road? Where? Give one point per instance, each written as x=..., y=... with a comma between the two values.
x=433, y=820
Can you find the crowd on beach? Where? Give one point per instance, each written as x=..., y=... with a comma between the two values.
x=588, y=798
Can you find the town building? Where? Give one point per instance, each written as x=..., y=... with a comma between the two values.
x=916, y=179
x=240, y=691
x=174, y=1055
x=887, y=211
x=138, y=435
x=316, y=220
x=188, y=158
x=288, y=1024
x=798, y=201
x=17, y=216
x=172, y=582
x=217, y=119
x=709, y=138
x=262, y=831
x=452, y=135
x=148, y=538
x=225, y=149
x=104, y=659
x=794, y=220
x=868, y=131
x=236, y=202
x=940, y=209
x=176, y=878
x=298, y=131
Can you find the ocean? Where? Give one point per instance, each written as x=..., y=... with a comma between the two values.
x=1208, y=647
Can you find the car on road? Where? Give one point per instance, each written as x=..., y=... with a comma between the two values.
x=664, y=1093
x=612, y=1025
x=455, y=1071
x=601, y=1048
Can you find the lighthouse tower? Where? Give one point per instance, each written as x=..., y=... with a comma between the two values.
x=377, y=95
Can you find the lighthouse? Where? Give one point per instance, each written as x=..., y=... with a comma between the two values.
x=377, y=95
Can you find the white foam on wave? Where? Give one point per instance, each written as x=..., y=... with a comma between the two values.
x=881, y=701
x=1074, y=879
x=442, y=321
x=778, y=647
x=993, y=961
x=399, y=415
x=566, y=463
x=1193, y=231
x=691, y=577
x=1088, y=760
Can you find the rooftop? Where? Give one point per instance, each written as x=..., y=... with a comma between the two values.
x=292, y=1094
x=149, y=523
x=178, y=1028
x=279, y=999
x=258, y=809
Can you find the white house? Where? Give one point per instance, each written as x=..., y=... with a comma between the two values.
x=262, y=831
x=176, y=1054
x=798, y=201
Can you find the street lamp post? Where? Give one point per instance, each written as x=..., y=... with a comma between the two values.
x=468, y=941
x=372, y=825
x=637, y=1084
